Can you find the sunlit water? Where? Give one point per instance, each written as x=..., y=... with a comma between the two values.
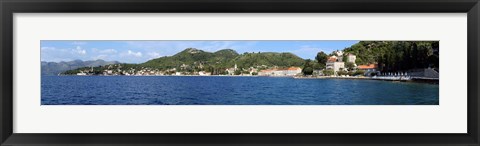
x=217, y=90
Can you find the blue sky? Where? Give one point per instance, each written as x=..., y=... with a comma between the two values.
x=141, y=51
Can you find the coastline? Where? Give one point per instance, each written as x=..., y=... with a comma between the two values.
x=392, y=79
x=163, y=75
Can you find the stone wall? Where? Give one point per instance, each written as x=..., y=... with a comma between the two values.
x=428, y=73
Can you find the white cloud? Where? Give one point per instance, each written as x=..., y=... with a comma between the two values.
x=108, y=51
x=136, y=54
x=153, y=55
x=79, y=50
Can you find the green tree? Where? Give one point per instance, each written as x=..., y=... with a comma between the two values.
x=358, y=72
x=350, y=66
x=318, y=66
x=237, y=72
x=328, y=72
x=307, y=71
x=341, y=72
x=307, y=67
x=321, y=59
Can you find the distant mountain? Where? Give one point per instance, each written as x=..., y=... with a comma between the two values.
x=194, y=60
x=54, y=68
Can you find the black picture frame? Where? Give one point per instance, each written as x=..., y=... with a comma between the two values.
x=9, y=7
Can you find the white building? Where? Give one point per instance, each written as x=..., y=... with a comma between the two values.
x=291, y=71
x=279, y=73
x=336, y=66
x=267, y=72
x=339, y=55
x=351, y=58
x=230, y=71
x=203, y=73
x=334, y=63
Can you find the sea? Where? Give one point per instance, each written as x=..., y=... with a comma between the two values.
x=231, y=90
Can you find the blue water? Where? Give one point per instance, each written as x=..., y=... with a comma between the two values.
x=216, y=90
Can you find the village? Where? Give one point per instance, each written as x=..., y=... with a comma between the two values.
x=340, y=65
x=116, y=70
x=335, y=63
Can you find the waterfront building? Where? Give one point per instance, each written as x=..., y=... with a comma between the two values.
x=336, y=66
x=108, y=72
x=279, y=73
x=334, y=63
x=291, y=71
x=203, y=73
x=252, y=70
x=266, y=72
x=230, y=71
x=168, y=70
x=370, y=68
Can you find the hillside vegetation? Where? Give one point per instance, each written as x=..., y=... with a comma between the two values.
x=397, y=55
x=194, y=60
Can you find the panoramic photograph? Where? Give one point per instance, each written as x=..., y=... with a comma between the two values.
x=244, y=72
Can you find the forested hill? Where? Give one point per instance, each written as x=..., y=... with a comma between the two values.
x=193, y=57
x=194, y=60
x=226, y=58
x=397, y=55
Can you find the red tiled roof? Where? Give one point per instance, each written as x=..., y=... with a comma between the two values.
x=370, y=66
x=332, y=59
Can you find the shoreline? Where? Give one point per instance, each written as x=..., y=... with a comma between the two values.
x=158, y=75
x=392, y=79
